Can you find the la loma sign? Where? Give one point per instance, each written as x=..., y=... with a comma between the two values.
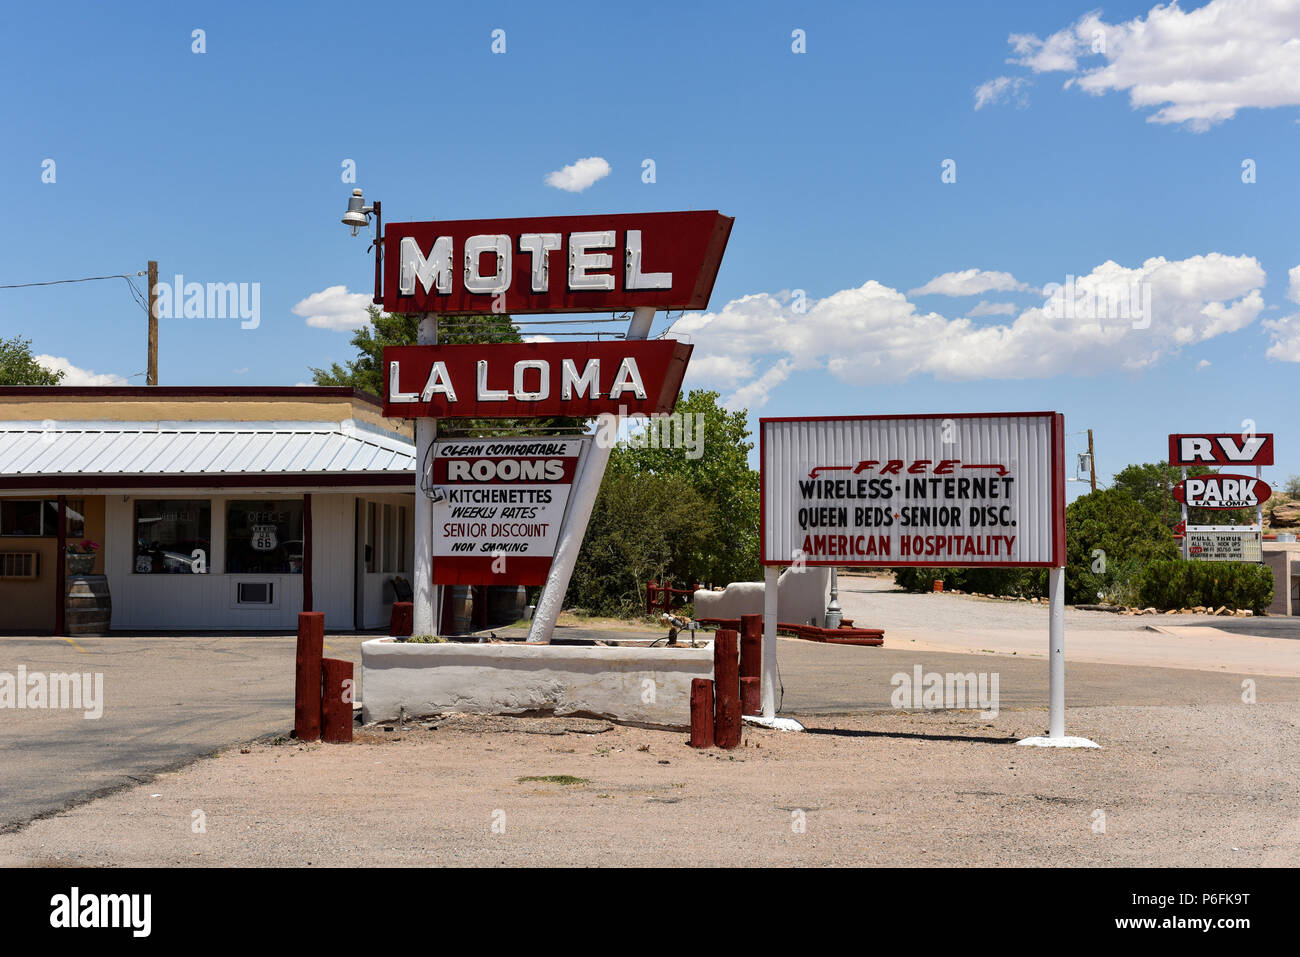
x=527, y=379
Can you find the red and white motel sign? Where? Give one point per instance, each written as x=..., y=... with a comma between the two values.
x=554, y=263
x=494, y=527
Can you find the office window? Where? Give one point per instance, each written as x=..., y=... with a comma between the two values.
x=168, y=533
x=20, y=518
x=34, y=518
x=264, y=537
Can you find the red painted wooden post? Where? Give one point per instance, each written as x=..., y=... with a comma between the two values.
x=751, y=700
x=336, y=701
x=403, y=621
x=701, y=713
x=726, y=689
x=306, y=697
x=751, y=646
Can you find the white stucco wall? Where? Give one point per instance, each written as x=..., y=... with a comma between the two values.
x=647, y=686
x=801, y=597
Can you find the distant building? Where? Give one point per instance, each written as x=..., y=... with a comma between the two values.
x=1284, y=559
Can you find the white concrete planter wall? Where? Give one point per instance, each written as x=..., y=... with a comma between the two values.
x=645, y=686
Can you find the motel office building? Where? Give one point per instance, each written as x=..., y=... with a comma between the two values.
x=215, y=509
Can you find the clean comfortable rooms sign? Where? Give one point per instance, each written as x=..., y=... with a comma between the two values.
x=499, y=505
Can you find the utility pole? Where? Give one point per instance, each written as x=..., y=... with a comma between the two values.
x=151, y=377
x=1092, y=463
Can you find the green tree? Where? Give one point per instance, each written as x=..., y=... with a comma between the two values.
x=366, y=371
x=1110, y=537
x=644, y=527
x=1151, y=484
x=723, y=478
x=19, y=367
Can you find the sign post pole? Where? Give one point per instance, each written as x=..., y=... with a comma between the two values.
x=771, y=574
x=586, y=486
x=1056, y=648
x=1056, y=736
x=1183, y=543
x=426, y=430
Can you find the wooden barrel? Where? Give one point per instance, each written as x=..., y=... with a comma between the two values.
x=505, y=604
x=462, y=608
x=88, y=608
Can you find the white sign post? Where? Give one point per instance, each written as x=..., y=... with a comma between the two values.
x=924, y=490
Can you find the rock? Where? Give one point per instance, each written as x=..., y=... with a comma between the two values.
x=1285, y=516
x=1248, y=613
x=1220, y=610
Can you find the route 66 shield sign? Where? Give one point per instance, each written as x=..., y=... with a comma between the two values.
x=264, y=538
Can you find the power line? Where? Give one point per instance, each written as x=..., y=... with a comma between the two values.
x=62, y=282
x=130, y=285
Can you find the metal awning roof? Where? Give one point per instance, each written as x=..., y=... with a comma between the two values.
x=202, y=454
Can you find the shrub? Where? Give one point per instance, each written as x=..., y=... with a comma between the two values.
x=1029, y=582
x=1186, y=584
x=645, y=527
x=1109, y=537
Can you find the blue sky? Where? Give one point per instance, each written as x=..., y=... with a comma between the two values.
x=226, y=167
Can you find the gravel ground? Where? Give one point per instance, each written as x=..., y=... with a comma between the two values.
x=1182, y=786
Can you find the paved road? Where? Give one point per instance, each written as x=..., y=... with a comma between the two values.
x=167, y=701
x=878, y=603
x=170, y=700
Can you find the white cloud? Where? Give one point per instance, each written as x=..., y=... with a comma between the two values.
x=1203, y=364
x=335, y=308
x=986, y=308
x=75, y=375
x=1197, y=67
x=576, y=177
x=969, y=282
x=1002, y=88
x=1286, y=338
x=755, y=394
x=1293, y=284
x=873, y=334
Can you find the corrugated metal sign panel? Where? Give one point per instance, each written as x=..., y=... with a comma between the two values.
x=945, y=490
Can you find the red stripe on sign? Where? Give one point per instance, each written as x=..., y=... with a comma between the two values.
x=471, y=471
x=477, y=570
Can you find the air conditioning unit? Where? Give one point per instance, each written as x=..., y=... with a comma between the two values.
x=20, y=564
x=255, y=593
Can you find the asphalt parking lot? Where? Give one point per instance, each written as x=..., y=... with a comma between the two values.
x=170, y=700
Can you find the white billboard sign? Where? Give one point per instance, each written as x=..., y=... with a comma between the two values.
x=947, y=490
x=1210, y=543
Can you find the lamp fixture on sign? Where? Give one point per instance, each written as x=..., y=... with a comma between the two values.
x=358, y=214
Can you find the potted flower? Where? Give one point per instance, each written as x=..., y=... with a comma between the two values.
x=81, y=557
